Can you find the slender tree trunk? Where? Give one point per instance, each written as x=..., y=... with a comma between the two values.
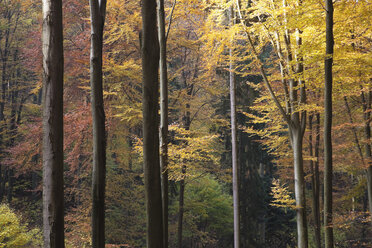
x=53, y=219
x=4, y=73
x=315, y=185
x=302, y=236
x=356, y=140
x=369, y=190
x=1, y=183
x=317, y=176
x=150, y=104
x=357, y=144
x=10, y=185
x=163, y=116
x=262, y=225
x=235, y=171
x=97, y=14
x=187, y=125
x=367, y=131
x=14, y=90
x=328, y=226
x=180, y=208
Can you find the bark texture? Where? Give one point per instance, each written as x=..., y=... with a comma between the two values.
x=150, y=102
x=328, y=228
x=163, y=116
x=97, y=14
x=367, y=130
x=180, y=207
x=314, y=167
x=53, y=219
x=297, y=139
x=234, y=146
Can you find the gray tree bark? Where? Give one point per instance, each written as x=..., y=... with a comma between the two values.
x=296, y=140
x=163, y=116
x=328, y=226
x=52, y=38
x=234, y=146
x=150, y=105
x=97, y=15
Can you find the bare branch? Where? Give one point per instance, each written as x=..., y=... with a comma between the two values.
x=170, y=20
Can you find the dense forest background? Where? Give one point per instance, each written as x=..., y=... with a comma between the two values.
x=204, y=38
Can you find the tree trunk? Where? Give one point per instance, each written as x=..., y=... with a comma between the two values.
x=315, y=183
x=367, y=131
x=10, y=185
x=53, y=219
x=328, y=226
x=180, y=208
x=150, y=104
x=163, y=116
x=263, y=218
x=369, y=190
x=4, y=59
x=97, y=14
x=296, y=134
x=1, y=183
x=235, y=171
x=187, y=124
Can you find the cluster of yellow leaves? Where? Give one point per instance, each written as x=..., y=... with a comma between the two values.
x=348, y=220
x=199, y=152
x=13, y=234
x=281, y=195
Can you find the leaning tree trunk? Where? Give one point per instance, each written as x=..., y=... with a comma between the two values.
x=53, y=219
x=234, y=145
x=150, y=105
x=163, y=116
x=97, y=14
x=328, y=228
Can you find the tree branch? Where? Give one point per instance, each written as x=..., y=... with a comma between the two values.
x=170, y=20
x=262, y=71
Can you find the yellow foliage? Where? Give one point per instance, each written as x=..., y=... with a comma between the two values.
x=13, y=234
x=282, y=198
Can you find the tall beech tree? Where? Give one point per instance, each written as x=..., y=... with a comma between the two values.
x=98, y=14
x=150, y=105
x=293, y=113
x=53, y=219
x=328, y=174
x=163, y=116
x=234, y=143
